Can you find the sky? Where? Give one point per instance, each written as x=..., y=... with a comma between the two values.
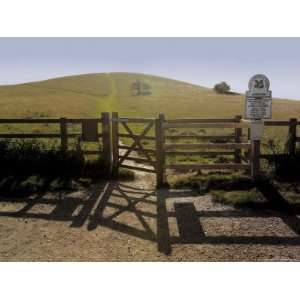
x=202, y=61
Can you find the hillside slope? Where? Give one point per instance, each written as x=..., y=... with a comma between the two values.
x=90, y=94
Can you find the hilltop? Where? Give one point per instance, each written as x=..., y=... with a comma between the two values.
x=89, y=94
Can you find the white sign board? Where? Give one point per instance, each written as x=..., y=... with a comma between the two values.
x=258, y=98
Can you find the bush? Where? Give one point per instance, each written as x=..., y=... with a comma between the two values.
x=285, y=166
x=222, y=88
x=28, y=167
x=27, y=158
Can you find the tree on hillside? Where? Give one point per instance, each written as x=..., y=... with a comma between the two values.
x=140, y=88
x=222, y=87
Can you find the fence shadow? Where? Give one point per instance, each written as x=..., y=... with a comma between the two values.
x=187, y=217
x=62, y=208
x=114, y=205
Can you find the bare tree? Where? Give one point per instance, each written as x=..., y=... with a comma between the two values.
x=139, y=88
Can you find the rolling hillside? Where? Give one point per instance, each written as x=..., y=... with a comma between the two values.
x=88, y=95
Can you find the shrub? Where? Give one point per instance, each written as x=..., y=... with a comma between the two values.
x=285, y=166
x=27, y=158
x=227, y=182
x=222, y=88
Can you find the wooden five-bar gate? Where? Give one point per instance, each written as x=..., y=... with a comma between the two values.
x=150, y=144
x=150, y=149
x=134, y=154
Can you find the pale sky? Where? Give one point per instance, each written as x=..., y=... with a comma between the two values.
x=203, y=61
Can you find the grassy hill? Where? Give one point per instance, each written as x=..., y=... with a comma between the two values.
x=90, y=94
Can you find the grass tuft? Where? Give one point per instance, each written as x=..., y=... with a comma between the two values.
x=206, y=183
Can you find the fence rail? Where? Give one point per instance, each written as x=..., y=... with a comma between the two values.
x=104, y=137
x=165, y=143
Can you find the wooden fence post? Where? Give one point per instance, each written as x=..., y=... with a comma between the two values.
x=255, y=158
x=115, y=143
x=63, y=134
x=237, y=137
x=106, y=142
x=160, y=152
x=292, y=136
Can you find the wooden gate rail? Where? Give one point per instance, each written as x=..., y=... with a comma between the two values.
x=207, y=146
x=206, y=125
x=232, y=142
x=185, y=167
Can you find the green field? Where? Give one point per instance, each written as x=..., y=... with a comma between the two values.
x=88, y=95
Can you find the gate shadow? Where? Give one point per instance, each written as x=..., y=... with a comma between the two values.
x=109, y=202
x=187, y=217
x=132, y=196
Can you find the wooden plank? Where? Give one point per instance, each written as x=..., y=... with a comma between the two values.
x=134, y=120
x=207, y=125
x=200, y=120
x=137, y=168
x=200, y=137
x=255, y=159
x=292, y=136
x=160, y=155
x=29, y=135
x=115, y=143
x=184, y=167
x=125, y=135
x=208, y=146
x=276, y=123
x=137, y=159
x=40, y=121
x=82, y=120
x=64, y=134
x=38, y=135
x=29, y=121
x=106, y=142
x=198, y=153
x=237, y=132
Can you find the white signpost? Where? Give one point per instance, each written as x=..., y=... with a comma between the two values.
x=259, y=98
x=258, y=107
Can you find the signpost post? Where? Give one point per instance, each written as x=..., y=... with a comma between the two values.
x=258, y=107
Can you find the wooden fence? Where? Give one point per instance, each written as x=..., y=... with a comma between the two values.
x=234, y=141
x=64, y=135
x=210, y=145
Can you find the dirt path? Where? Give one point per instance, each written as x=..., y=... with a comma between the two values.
x=119, y=221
